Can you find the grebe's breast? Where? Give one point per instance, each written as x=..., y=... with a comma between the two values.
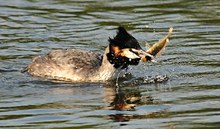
x=70, y=64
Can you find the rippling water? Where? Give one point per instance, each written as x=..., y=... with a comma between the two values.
x=188, y=99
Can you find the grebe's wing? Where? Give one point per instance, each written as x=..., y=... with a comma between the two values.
x=76, y=58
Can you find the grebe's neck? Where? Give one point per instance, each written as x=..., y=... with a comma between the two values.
x=107, y=71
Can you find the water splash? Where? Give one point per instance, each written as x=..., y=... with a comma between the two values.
x=117, y=79
x=155, y=79
x=146, y=80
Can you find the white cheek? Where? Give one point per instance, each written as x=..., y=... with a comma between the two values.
x=130, y=54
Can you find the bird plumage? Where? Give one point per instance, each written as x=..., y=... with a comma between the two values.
x=82, y=65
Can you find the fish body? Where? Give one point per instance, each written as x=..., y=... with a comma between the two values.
x=157, y=48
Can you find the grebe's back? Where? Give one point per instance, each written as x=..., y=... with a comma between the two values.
x=69, y=64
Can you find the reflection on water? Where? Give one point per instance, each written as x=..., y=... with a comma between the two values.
x=127, y=100
x=180, y=91
x=122, y=100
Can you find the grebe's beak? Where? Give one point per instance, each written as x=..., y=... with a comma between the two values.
x=133, y=53
x=144, y=56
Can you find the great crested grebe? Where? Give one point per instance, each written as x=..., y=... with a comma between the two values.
x=87, y=66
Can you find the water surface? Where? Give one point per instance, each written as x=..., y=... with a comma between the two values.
x=188, y=99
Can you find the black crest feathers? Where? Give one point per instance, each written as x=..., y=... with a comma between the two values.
x=124, y=40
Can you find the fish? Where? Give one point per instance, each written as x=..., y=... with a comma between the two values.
x=157, y=48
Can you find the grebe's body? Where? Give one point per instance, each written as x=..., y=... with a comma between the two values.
x=88, y=66
x=73, y=65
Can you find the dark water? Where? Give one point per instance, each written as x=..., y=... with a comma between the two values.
x=190, y=98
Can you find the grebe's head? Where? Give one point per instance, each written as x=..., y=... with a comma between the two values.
x=125, y=50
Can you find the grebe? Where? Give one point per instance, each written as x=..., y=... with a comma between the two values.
x=87, y=66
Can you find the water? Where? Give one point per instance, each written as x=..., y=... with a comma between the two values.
x=187, y=97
